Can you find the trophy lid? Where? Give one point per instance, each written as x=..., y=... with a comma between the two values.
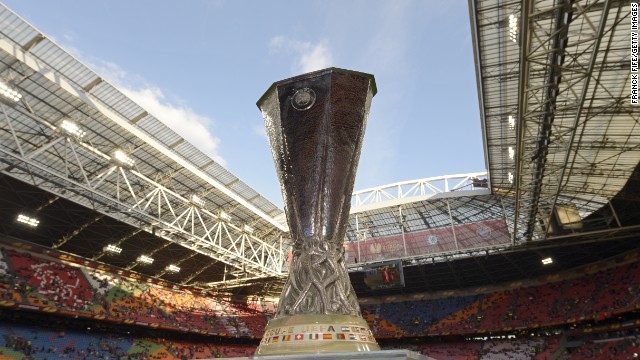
x=318, y=73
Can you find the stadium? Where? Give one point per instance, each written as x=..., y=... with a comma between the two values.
x=119, y=239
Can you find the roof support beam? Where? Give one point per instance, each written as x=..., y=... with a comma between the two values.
x=473, y=16
x=195, y=274
x=555, y=60
x=139, y=117
x=127, y=195
x=77, y=231
x=93, y=84
x=581, y=105
x=33, y=42
x=523, y=83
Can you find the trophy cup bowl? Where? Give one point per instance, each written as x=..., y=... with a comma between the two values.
x=315, y=123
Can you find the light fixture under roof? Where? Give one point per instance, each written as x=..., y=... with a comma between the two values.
x=145, y=259
x=196, y=200
x=224, y=216
x=122, y=159
x=248, y=229
x=510, y=177
x=72, y=129
x=513, y=28
x=33, y=222
x=512, y=122
x=173, y=268
x=547, y=261
x=8, y=93
x=113, y=249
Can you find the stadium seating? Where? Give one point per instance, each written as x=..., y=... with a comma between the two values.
x=527, y=348
x=53, y=286
x=573, y=299
x=416, y=317
x=49, y=285
x=27, y=341
x=49, y=344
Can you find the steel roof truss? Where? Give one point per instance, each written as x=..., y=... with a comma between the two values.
x=61, y=157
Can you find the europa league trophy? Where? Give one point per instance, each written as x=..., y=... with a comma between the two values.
x=315, y=123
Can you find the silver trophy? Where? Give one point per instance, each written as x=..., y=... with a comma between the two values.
x=315, y=123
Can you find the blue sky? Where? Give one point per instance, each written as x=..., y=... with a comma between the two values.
x=201, y=65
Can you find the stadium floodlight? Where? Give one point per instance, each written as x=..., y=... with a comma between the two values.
x=513, y=28
x=72, y=129
x=145, y=259
x=512, y=152
x=122, y=159
x=248, y=229
x=9, y=93
x=547, y=261
x=510, y=175
x=196, y=200
x=512, y=122
x=224, y=216
x=172, y=268
x=27, y=220
x=113, y=249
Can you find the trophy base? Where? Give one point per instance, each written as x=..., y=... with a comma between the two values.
x=316, y=334
x=372, y=355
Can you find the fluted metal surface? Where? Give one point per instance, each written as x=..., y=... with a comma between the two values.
x=315, y=123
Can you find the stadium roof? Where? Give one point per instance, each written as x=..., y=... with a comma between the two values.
x=559, y=130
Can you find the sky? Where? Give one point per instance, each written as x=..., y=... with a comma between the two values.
x=200, y=66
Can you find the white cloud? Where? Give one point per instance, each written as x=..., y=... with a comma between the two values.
x=113, y=72
x=192, y=126
x=308, y=56
x=316, y=57
x=69, y=37
x=277, y=43
x=261, y=131
x=183, y=120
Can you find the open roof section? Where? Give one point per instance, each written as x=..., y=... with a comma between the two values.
x=155, y=193
x=553, y=84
